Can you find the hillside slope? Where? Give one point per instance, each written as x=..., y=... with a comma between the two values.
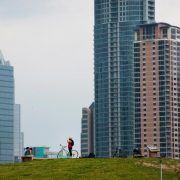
x=87, y=169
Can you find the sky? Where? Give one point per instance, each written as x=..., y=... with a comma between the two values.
x=50, y=45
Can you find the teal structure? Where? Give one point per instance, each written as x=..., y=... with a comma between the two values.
x=40, y=152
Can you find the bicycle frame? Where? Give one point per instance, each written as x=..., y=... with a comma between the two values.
x=63, y=153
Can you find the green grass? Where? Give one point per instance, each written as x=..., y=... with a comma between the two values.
x=86, y=169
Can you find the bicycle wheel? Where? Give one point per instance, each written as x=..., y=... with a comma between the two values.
x=62, y=154
x=75, y=154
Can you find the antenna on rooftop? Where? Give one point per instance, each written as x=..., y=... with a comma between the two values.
x=2, y=60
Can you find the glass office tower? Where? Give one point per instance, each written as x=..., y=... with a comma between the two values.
x=115, y=21
x=6, y=111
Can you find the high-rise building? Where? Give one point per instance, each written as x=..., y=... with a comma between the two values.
x=6, y=111
x=157, y=88
x=115, y=22
x=22, y=143
x=87, y=133
x=17, y=133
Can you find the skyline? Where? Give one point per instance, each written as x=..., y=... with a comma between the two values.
x=36, y=41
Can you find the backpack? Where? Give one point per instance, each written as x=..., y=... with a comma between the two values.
x=72, y=142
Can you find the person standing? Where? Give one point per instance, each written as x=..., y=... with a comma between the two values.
x=70, y=145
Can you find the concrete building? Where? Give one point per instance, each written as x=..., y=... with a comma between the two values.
x=22, y=143
x=18, y=142
x=6, y=111
x=115, y=22
x=157, y=88
x=87, y=133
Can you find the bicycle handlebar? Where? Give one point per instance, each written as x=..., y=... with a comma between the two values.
x=62, y=146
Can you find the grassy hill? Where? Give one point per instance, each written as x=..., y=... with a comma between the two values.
x=87, y=169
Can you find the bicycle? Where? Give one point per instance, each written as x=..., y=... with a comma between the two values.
x=64, y=153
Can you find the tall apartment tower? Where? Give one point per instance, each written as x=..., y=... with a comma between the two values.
x=157, y=88
x=87, y=133
x=115, y=21
x=6, y=111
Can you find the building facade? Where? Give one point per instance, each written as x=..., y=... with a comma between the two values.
x=87, y=133
x=115, y=22
x=22, y=143
x=6, y=111
x=17, y=133
x=157, y=88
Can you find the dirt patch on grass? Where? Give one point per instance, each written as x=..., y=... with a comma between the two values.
x=167, y=167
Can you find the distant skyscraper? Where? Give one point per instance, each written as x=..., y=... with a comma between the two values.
x=22, y=143
x=6, y=111
x=115, y=22
x=157, y=88
x=17, y=133
x=87, y=127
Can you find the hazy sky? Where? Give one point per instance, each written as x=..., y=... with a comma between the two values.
x=50, y=45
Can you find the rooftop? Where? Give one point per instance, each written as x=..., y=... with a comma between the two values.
x=159, y=23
